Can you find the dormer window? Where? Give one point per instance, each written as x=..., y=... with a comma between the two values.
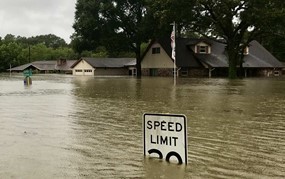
x=202, y=48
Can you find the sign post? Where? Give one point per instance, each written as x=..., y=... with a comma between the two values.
x=165, y=137
x=28, y=79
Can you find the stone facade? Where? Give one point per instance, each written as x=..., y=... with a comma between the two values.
x=165, y=72
x=157, y=72
x=269, y=72
x=196, y=72
x=204, y=72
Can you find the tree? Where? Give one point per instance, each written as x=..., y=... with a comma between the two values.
x=118, y=25
x=233, y=22
x=236, y=23
x=10, y=54
x=276, y=45
x=87, y=26
x=168, y=11
x=274, y=41
x=49, y=40
x=9, y=38
x=14, y=50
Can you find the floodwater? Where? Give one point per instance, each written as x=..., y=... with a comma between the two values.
x=91, y=127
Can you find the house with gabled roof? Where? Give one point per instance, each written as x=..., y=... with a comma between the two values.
x=104, y=66
x=204, y=57
x=51, y=66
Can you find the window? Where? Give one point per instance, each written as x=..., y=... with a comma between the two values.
x=155, y=50
x=88, y=71
x=133, y=72
x=78, y=70
x=153, y=72
x=202, y=49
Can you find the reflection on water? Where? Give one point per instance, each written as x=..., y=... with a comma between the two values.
x=80, y=127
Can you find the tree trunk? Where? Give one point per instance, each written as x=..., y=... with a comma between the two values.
x=241, y=70
x=138, y=66
x=138, y=60
x=233, y=61
x=232, y=70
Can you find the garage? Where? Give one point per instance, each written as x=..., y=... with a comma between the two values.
x=104, y=67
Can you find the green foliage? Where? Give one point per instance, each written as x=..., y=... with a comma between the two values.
x=100, y=52
x=144, y=47
x=10, y=53
x=120, y=26
x=276, y=45
x=87, y=22
x=166, y=12
x=86, y=53
x=9, y=38
x=50, y=40
x=232, y=22
x=20, y=50
x=237, y=23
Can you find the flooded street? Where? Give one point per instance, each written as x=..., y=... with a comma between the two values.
x=91, y=127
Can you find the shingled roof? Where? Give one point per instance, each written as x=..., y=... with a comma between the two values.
x=216, y=58
x=184, y=56
x=45, y=66
x=258, y=56
x=108, y=62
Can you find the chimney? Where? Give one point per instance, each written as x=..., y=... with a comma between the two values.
x=61, y=62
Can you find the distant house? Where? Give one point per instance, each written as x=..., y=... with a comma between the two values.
x=104, y=66
x=203, y=57
x=59, y=66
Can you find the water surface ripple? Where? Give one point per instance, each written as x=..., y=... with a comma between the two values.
x=91, y=127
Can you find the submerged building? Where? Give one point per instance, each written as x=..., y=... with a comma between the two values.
x=58, y=66
x=205, y=58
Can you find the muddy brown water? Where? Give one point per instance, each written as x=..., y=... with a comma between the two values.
x=91, y=127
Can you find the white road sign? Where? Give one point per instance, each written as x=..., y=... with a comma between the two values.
x=165, y=136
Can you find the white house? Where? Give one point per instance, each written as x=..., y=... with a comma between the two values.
x=104, y=66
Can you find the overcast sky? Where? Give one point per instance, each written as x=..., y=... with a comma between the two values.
x=37, y=17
